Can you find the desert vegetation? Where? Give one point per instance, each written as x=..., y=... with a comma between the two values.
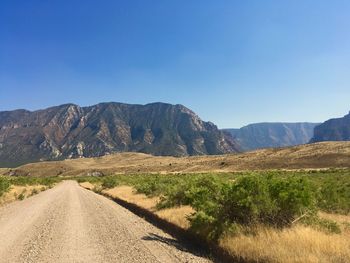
x=19, y=188
x=4, y=185
x=274, y=216
x=259, y=216
x=26, y=180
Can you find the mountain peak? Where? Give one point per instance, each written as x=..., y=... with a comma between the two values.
x=70, y=131
x=337, y=129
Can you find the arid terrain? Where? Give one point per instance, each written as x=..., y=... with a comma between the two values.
x=174, y=131
x=68, y=223
x=309, y=156
x=71, y=224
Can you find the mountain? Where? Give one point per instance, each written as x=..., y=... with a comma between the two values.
x=71, y=131
x=333, y=130
x=271, y=135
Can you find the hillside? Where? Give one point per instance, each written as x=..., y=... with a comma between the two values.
x=271, y=135
x=333, y=130
x=309, y=156
x=71, y=131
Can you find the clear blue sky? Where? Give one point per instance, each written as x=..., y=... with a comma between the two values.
x=233, y=62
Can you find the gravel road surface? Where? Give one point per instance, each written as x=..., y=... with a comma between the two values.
x=70, y=224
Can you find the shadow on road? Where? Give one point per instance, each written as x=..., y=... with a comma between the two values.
x=169, y=241
x=174, y=243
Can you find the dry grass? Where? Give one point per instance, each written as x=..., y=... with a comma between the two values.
x=310, y=156
x=128, y=194
x=176, y=215
x=336, y=217
x=16, y=191
x=87, y=185
x=3, y=171
x=298, y=244
x=342, y=220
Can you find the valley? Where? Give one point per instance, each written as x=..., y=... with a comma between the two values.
x=310, y=156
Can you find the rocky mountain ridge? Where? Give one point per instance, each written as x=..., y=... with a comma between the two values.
x=272, y=135
x=71, y=131
x=337, y=129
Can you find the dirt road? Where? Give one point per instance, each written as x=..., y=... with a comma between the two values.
x=71, y=224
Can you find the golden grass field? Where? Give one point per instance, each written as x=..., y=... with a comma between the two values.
x=15, y=191
x=296, y=244
x=309, y=156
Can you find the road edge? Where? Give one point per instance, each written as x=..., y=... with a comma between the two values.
x=191, y=239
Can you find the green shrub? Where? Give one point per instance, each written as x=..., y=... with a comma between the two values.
x=27, y=180
x=48, y=181
x=97, y=189
x=34, y=192
x=90, y=179
x=198, y=191
x=329, y=226
x=239, y=201
x=253, y=200
x=292, y=196
x=148, y=187
x=22, y=181
x=109, y=182
x=21, y=196
x=81, y=179
x=325, y=225
x=334, y=196
x=152, y=185
x=4, y=185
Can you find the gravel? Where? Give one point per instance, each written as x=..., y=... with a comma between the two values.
x=70, y=224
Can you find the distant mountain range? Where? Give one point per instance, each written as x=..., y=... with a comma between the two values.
x=333, y=130
x=71, y=131
x=271, y=135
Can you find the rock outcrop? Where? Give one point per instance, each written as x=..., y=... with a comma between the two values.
x=71, y=131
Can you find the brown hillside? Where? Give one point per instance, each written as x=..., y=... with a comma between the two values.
x=310, y=156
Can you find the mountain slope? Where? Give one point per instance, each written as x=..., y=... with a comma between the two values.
x=270, y=135
x=307, y=156
x=70, y=131
x=333, y=130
